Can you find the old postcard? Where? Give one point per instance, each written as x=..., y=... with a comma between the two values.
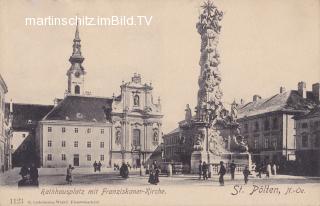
x=172, y=102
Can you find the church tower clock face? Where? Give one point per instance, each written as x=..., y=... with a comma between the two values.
x=77, y=74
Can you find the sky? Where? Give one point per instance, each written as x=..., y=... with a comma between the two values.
x=263, y=45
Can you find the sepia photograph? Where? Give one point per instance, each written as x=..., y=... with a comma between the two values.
x=147, y=102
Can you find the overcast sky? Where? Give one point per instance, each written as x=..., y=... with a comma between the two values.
x=263, y=45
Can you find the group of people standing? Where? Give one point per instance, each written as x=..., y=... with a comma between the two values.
x=205, y=171
x=29, y=176
x=268, y=169
x=97, y=166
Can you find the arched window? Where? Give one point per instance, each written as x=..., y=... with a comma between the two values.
x=136, y=137
x=77, y=89
x=136, y=101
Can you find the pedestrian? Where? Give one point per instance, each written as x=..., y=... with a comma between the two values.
x=260, y=168
x=156, y=172
x=124, y=171
x=24, y=171
x=205, y=171
x=246, y=174
x=95, y=166
x=69, y=174
x=268, y=170
x=232, y=169
x=274, y=168
x=34, y=175
x=99, y=165
x=129, y=166
x=200, y=169
x=221, y=172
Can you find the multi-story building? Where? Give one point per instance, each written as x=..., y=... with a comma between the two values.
x=4, y=152
x=173, y=149
x=24, y=119
x=81, y=129
x=308, y=142
x=268, y=125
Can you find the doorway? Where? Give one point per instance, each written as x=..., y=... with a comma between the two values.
x=76, y=160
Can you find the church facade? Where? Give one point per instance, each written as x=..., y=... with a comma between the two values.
x=81, y=128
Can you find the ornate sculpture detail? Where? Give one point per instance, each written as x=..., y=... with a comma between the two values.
x=198, y=141
x=210, y=109
x=117, y=140
x=155, y=136
x=188, y=114
x=209, y=94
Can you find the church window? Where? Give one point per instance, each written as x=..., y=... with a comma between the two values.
x=77, y=89
x=63, y=157
x=136, y=137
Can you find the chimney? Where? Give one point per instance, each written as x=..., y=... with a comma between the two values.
x=316, y=92
x=302, y=89
x=256, y=97
x=282, y=90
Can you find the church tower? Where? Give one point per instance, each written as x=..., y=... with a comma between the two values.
x=76, y=72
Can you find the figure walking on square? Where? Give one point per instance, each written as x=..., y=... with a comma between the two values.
x=232, y=169
x=200, y=169
x=246, y=174
x=34, y=175
x=99, y=165
x=124, y=171
x=205, y=170
x=268, y=170
x=274, y=168
x=69, y=174
x=95, y=166
x=221, y=172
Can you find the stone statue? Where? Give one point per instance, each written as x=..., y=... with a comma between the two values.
x=188, y=114
x=234, y=112
x=118, y=137
x=199, y=138
x=237, y=144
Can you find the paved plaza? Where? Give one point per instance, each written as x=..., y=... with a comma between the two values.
x=86, y=176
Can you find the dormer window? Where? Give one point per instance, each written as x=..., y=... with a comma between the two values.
x=136, y=100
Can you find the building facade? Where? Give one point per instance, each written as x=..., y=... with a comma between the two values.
x=308, y=143
x=24, y=119
x=81, y=128
x=268, y=124
x=4, y=150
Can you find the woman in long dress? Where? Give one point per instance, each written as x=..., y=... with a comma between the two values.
x=69, y=174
